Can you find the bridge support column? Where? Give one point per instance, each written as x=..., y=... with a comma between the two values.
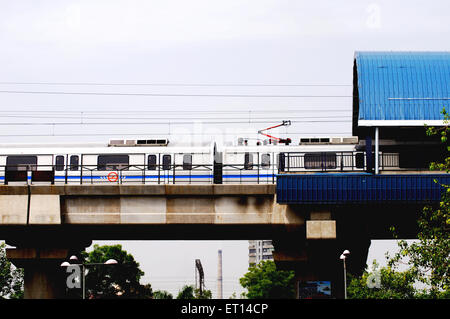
x=313, y=253
x=44, y=278
x=43, y=275
x=312, y=261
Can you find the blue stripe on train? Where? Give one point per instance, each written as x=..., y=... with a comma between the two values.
x=162, y=176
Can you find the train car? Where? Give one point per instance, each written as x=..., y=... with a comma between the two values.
x=155, y=161
x=137, y=161
x=260, y=161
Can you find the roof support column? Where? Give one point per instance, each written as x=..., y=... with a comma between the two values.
x=377, y=151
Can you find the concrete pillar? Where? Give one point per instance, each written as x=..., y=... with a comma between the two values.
x=313, y=254
x=313, y=263
x=43, y=276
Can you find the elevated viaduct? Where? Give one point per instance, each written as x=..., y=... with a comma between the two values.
x=46, y=224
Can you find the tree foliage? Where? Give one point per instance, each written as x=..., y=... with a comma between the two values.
x=189, y=292
x=382, y=283
x=162, y=294
x=428, y=258
x=264, y=281
x=11, y=279
x=114, y=281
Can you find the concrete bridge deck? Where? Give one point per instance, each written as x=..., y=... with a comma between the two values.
x=101, y=212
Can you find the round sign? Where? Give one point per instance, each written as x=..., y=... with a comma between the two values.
x=113, y=177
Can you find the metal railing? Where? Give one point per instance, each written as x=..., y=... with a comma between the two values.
x=334, y=161
x=140, y=174
x=255, y=173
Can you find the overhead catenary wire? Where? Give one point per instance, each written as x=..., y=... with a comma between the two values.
x=174, y=95
x=150, y=134
x=176, y=84
x=167, y=118
x=169, y=123
x=298, y=108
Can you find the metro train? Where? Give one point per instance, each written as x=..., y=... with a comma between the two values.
x=156, y=161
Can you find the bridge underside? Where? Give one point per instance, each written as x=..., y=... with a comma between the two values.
x=47, y=224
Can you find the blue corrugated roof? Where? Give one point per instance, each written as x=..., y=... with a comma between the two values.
x=359, y=188
x=399, y=86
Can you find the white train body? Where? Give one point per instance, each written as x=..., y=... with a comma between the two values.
x=120, y=163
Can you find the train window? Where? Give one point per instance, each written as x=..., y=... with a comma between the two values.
x=21, y=163
x=74, y=160
x=166, y=162
x=151, y=161
x=320, y=160
x=112, y=162
x=248, y=161
x=59, y=163
x=187, y=161
x=265, y=161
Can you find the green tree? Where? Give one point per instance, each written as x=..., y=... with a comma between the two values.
x=205, y=294
x=114, y=281
x=428, y=258
x=382, y=283
x=11, y=279
x=264, y=281
x=189, y=292
x=162, y=294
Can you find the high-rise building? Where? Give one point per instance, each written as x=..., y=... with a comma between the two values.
x=259, y=250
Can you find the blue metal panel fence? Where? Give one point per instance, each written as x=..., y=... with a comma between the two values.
x=359, y=188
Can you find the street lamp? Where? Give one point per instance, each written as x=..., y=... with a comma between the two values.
x=344, y=256
x=75, y=261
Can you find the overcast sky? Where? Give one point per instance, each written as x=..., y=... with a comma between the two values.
x=195, y=42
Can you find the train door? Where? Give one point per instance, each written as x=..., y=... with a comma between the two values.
x=60, y=169
x=152, y=169
x=251, y=168
x=73, y=169
x=166, y=174
x=266, y=168
x=232, y=167
x=134, y=172
x=182, y=171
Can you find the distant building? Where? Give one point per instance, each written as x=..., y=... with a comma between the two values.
x=259, y=250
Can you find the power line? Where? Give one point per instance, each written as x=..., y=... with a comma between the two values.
x=148, y=134
x=254, y=117
x=175, y=111
x=176, y=84
x=169, y=123
x=174, y=95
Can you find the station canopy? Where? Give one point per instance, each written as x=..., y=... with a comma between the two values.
x=400, y=88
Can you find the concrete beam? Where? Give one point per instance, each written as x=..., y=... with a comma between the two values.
x=13, y=209
x=139, y=189
x=320, y=229
x=45, y=210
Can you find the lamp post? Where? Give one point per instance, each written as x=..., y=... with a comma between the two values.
x=75, y=261
x=343, y=258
